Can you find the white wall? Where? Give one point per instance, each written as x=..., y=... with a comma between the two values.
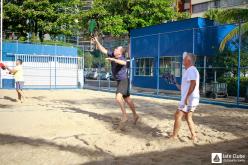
x=198, y=1
x=43, y=74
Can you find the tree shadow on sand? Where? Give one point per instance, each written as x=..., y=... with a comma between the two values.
x=219, y=118
x=141, y=130
x=195, y=155
x=9, y=98
x=4, y=106
x=38, y=142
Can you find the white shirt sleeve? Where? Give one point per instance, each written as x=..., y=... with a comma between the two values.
x=192, y=74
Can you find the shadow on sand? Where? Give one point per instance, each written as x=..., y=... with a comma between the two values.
x=141, y=130
x=20, y=140
x=217, y=119
x=9, y=98
x=194, y=155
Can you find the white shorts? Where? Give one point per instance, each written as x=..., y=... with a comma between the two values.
x=186, y=108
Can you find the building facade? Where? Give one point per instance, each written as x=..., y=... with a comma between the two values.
x=157, y=50
x=198, y=7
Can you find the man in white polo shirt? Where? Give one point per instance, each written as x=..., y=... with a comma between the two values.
x=190, y=95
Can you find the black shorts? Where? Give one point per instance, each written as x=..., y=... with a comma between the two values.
x=123, y=87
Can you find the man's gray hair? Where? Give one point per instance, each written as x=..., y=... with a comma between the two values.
x=191, y=56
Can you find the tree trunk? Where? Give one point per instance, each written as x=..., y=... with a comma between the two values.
x=41, y=36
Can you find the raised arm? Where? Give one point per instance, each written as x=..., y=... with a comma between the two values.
x=99, y=46
x=118, y=61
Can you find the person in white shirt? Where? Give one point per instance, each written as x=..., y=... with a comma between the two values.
x=190, y=95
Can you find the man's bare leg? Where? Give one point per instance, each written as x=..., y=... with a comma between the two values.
x=121, y=102
x=19, y=95
x=22, y=95
x=177, y=123
x=191, y=125
x=130, y=103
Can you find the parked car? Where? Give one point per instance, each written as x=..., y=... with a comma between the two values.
x=110, y=76
x=93, y=75
x=102, y=76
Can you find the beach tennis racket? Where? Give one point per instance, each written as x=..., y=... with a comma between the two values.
x=169, y=78
x=92, y=27
x=2, y=66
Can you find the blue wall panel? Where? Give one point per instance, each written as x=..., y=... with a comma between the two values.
x=208, y=39
x=8, y=83
x=10, y=48
x=145, y=81
x=197, y=35
x=146, y=46
x=172, y=26
x=173, y=44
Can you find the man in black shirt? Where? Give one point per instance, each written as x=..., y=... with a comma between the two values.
x=119, y=71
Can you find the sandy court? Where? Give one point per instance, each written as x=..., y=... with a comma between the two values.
x=78, y=127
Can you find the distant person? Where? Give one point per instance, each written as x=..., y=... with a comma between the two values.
x=19, y=80
x=119, y=72
x=189, y=96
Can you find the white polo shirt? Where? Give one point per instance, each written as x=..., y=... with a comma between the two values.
x=190, y=74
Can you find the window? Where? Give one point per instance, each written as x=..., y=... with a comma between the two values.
x=215, y=4
x=144, y=66
x=171, y=65
x=229, y=3
x=201, y=7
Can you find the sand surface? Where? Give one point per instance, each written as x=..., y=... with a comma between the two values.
x=78, y=127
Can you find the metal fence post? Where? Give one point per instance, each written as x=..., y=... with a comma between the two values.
x=130, y=66
x=204, y=74
x=193, y=41
x=109, y=80
x=17, y=46
x=98, y=73
x=1, y=39
x=55, y=67
x=158, y=64
x=55, y=72
x=131, y=73
x=239, y=54
x=50, y=61
x=83, y=68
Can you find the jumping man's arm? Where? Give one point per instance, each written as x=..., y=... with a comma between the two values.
x=121, y=62
x=99, y=46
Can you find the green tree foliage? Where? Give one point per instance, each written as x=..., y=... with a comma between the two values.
x=226, y=58
x=230, y=16
x=41, y=16
x=88, y=60
x=212, y=14
x=227, y=15
x=118, y=17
